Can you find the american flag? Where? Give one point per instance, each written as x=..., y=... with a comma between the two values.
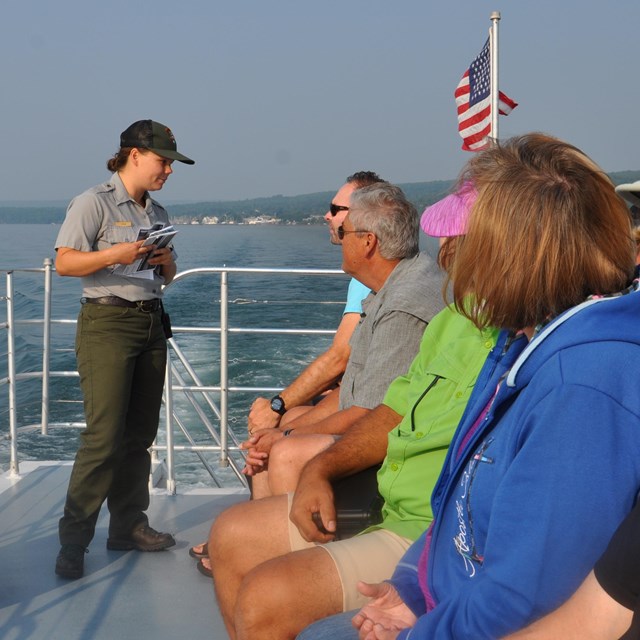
x=473, y=99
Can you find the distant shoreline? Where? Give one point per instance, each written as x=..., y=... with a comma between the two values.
x=306, y=209
x=178, y=221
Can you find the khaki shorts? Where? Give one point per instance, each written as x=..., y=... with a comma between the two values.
x=371, y=557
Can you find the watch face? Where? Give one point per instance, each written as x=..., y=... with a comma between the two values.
x=277, y=404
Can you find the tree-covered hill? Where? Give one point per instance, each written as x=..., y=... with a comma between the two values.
x=302, y=209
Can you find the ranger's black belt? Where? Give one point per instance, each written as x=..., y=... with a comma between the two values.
x=147, y=306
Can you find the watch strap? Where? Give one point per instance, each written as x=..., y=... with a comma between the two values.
x=277, y=405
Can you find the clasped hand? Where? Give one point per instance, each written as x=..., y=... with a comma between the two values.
x=258, y=447
x=262, y=416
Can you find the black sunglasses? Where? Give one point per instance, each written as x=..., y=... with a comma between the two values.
x=342, y=232
x=334, y=208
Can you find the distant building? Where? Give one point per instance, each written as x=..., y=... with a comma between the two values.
x=261, y=220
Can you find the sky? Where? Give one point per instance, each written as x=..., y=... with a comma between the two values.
x=291, y=96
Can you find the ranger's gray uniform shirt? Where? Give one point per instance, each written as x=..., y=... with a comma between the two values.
x=101, y=217
x=387, y=339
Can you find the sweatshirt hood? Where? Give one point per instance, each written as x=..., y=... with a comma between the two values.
x=596, y=320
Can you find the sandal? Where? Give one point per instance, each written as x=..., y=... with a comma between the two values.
x=204, y=570
x=204, y=553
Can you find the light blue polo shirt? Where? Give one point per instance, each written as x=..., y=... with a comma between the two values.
x=355, y=295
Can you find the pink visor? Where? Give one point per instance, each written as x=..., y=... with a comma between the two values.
x=448, y=217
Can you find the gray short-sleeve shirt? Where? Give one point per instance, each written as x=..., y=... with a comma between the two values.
x=101, y=217
x=388, y=336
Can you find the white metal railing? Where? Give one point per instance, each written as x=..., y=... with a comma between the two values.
x=181, y=380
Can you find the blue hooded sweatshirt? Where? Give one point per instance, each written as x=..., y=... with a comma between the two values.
x=527, y=502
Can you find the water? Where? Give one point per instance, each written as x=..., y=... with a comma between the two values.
x=256, y=301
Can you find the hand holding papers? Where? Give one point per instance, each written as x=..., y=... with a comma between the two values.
x=157, y=235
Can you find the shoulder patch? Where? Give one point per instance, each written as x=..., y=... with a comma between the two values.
x=105, y=187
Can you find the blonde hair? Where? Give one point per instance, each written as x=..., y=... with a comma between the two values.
x=546, y=231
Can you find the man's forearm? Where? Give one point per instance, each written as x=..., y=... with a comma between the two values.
x=326, y=369
x=319, y=376
x=335, y=423
x=361, y=446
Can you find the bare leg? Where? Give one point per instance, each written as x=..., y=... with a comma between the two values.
x=260, y=485
x=286, y=460
x=281, y=597
x=288, y=457
x=241, y=538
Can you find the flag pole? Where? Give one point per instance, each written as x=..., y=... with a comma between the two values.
x=495, y=88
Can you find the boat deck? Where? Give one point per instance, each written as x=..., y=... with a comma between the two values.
x=123, y=594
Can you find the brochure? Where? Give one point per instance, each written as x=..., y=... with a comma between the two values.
x=157, y=235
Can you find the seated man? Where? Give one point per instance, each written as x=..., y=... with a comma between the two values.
x=323, y=373
x=379, y=249
x=607, y=604
x=328, y=367
x=264, y=566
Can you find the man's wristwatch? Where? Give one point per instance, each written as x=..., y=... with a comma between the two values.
x=277, y=405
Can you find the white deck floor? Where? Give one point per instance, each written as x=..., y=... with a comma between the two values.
x=123, y=595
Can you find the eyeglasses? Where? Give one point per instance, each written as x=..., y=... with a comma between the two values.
x=334, y=208
x=342, y=232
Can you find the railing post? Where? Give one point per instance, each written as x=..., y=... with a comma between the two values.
x=46, y=344
x=168, y=405
x=224, y=370
x=14, y=469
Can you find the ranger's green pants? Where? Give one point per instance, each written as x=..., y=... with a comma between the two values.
x=121, y=354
